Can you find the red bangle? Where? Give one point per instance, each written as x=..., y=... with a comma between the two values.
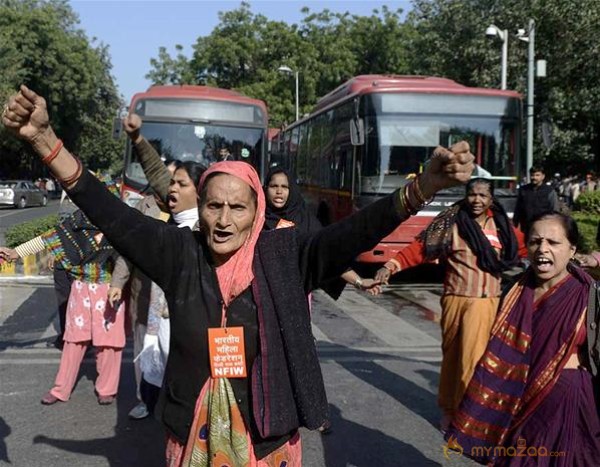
x=73, y=178
x=50, y=157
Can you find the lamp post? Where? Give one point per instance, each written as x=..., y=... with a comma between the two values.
x=529, y=37
x=288, y=70
x=502, y=34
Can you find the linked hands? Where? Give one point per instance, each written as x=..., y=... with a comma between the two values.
x=371, y=286
x=447, y=168
x=383, y=275
x=8, y=254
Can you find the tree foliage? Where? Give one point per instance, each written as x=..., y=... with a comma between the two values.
x=245, y=50
x=437, y=37
x=42, y=47
x=449, y=41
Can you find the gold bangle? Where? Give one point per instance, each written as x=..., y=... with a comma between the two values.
x=419, y=194
x=410, y=208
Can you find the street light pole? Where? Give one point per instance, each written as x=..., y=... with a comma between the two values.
x=493, y=31
x=288, y=70
x=297, y=99
x=504, y=37
x=530, y=39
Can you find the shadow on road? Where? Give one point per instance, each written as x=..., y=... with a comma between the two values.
x=4, y=432
x=27, y=324
x=134, y=443
x=359, y=446
x=412, y=396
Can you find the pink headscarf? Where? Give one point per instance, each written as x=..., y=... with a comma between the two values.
x=236, y=274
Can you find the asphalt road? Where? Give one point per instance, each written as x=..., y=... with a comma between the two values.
x=10, y=216
x=380, y=358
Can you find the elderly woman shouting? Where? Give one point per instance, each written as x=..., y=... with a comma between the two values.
x=243, y=373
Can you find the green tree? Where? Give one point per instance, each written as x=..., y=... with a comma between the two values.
x=43, y=48
x=449, y=41
x=168, y=70
x=245, y=50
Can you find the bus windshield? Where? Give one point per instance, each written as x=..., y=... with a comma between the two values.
x=398, y=145
x=199, y=142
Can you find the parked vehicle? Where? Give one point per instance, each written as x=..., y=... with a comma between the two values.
x=21, y=193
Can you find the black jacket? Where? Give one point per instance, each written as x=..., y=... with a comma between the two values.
x=178, y=260
x=531, y=202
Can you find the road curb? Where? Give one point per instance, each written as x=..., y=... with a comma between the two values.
x=32, y=265
x=22, y=279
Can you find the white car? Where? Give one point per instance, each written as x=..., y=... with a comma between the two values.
x=21, y=193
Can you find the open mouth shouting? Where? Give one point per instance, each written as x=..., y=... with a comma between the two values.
x=222, y=236
x=172, y=201
x=543, y=264
x=279, y=201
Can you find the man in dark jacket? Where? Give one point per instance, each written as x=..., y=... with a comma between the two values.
x=534, y=198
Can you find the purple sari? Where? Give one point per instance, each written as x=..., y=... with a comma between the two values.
x=521, y=370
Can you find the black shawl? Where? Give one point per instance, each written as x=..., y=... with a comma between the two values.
x=295, y=209
x=437, y=237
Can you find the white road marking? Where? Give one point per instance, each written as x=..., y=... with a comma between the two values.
x=390, y=328
x=318, y=334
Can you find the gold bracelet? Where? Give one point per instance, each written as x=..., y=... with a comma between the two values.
x=419, y=194
x=410, y=208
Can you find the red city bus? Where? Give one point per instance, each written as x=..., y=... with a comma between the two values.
x=375, y=132
x=194, y=123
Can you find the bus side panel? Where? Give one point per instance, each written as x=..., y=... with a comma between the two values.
x=404, y=234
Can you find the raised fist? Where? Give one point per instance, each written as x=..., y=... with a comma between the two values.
x=447, y=167
x=25, y=115
x=132, y=124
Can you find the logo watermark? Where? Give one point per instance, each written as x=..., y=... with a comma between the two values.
x=520, y=450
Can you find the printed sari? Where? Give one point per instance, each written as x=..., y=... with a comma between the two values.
x=219, y=436
x=518, y=374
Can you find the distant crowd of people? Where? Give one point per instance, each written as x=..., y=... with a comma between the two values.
x=45, y=184
x=215, y=272
x=571, y=187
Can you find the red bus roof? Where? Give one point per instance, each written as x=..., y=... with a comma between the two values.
x=273, y=132
x=197, y=92
x=365, y=84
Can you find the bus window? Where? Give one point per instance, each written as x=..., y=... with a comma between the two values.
x=398, y=146
x=293, y=153
x=328, y=175
x=198, y=143
x=301, y=161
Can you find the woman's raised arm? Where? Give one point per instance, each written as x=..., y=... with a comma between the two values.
x=148, y=243
x=331, y=251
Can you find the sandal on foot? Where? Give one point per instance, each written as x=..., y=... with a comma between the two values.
x=106, y=400
x=49, y=399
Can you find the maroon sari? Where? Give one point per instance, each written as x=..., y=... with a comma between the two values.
x=522, y=371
